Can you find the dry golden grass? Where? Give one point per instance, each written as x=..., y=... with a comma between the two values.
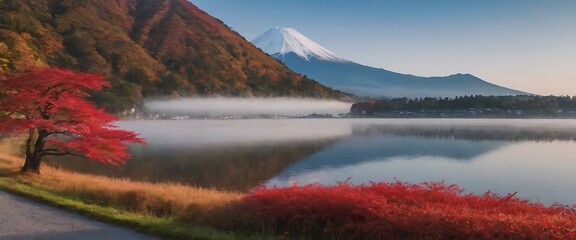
x=160, y=199
x=9, y=162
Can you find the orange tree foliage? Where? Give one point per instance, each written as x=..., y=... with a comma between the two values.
x=50, y=107
x=400, y=211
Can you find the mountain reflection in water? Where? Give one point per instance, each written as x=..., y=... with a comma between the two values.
x=242, y=154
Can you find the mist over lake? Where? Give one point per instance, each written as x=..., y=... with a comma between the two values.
x=248, y=106
x=531, y=157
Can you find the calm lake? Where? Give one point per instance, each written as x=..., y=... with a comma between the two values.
x=536, y=158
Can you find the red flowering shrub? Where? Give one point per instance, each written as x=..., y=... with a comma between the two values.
x=400, y=211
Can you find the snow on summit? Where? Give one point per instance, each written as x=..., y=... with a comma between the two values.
x=280, y=41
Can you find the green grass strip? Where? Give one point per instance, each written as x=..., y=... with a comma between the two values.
x=160, y=226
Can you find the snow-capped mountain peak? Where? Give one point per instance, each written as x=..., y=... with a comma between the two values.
x=279, y=41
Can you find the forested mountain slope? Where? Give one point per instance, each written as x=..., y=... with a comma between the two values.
x=147, y=48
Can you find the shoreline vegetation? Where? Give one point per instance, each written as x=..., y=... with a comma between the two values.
x=468, y=107
x=378, y=210
x=163, y=209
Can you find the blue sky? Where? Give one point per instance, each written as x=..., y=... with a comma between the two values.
x=528, y=45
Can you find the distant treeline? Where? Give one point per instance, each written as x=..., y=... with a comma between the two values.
x=499, y=105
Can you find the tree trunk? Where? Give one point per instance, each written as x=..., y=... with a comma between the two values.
x=33, y=156
x=31, y=165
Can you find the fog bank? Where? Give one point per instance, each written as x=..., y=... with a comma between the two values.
x=249, y=106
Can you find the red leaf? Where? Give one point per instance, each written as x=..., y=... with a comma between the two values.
x=54, y=101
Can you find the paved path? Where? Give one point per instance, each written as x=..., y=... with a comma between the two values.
x=24, y=219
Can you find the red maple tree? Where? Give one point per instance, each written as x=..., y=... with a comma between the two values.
x=50, y=106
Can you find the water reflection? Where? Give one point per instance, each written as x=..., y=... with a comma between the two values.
x=226, y=167
x=539, y=171
x=370, y=148
x=502, y=132
x=241, y=154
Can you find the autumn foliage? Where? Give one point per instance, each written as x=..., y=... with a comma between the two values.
x=50, y=106
x=400, y=211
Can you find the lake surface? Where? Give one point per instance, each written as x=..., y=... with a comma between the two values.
x=536, y=158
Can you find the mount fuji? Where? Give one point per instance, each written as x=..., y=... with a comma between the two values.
x=307, y=57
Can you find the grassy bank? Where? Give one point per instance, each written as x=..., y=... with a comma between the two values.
x=154, y=225
x=373, y=211
x=164, y=209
